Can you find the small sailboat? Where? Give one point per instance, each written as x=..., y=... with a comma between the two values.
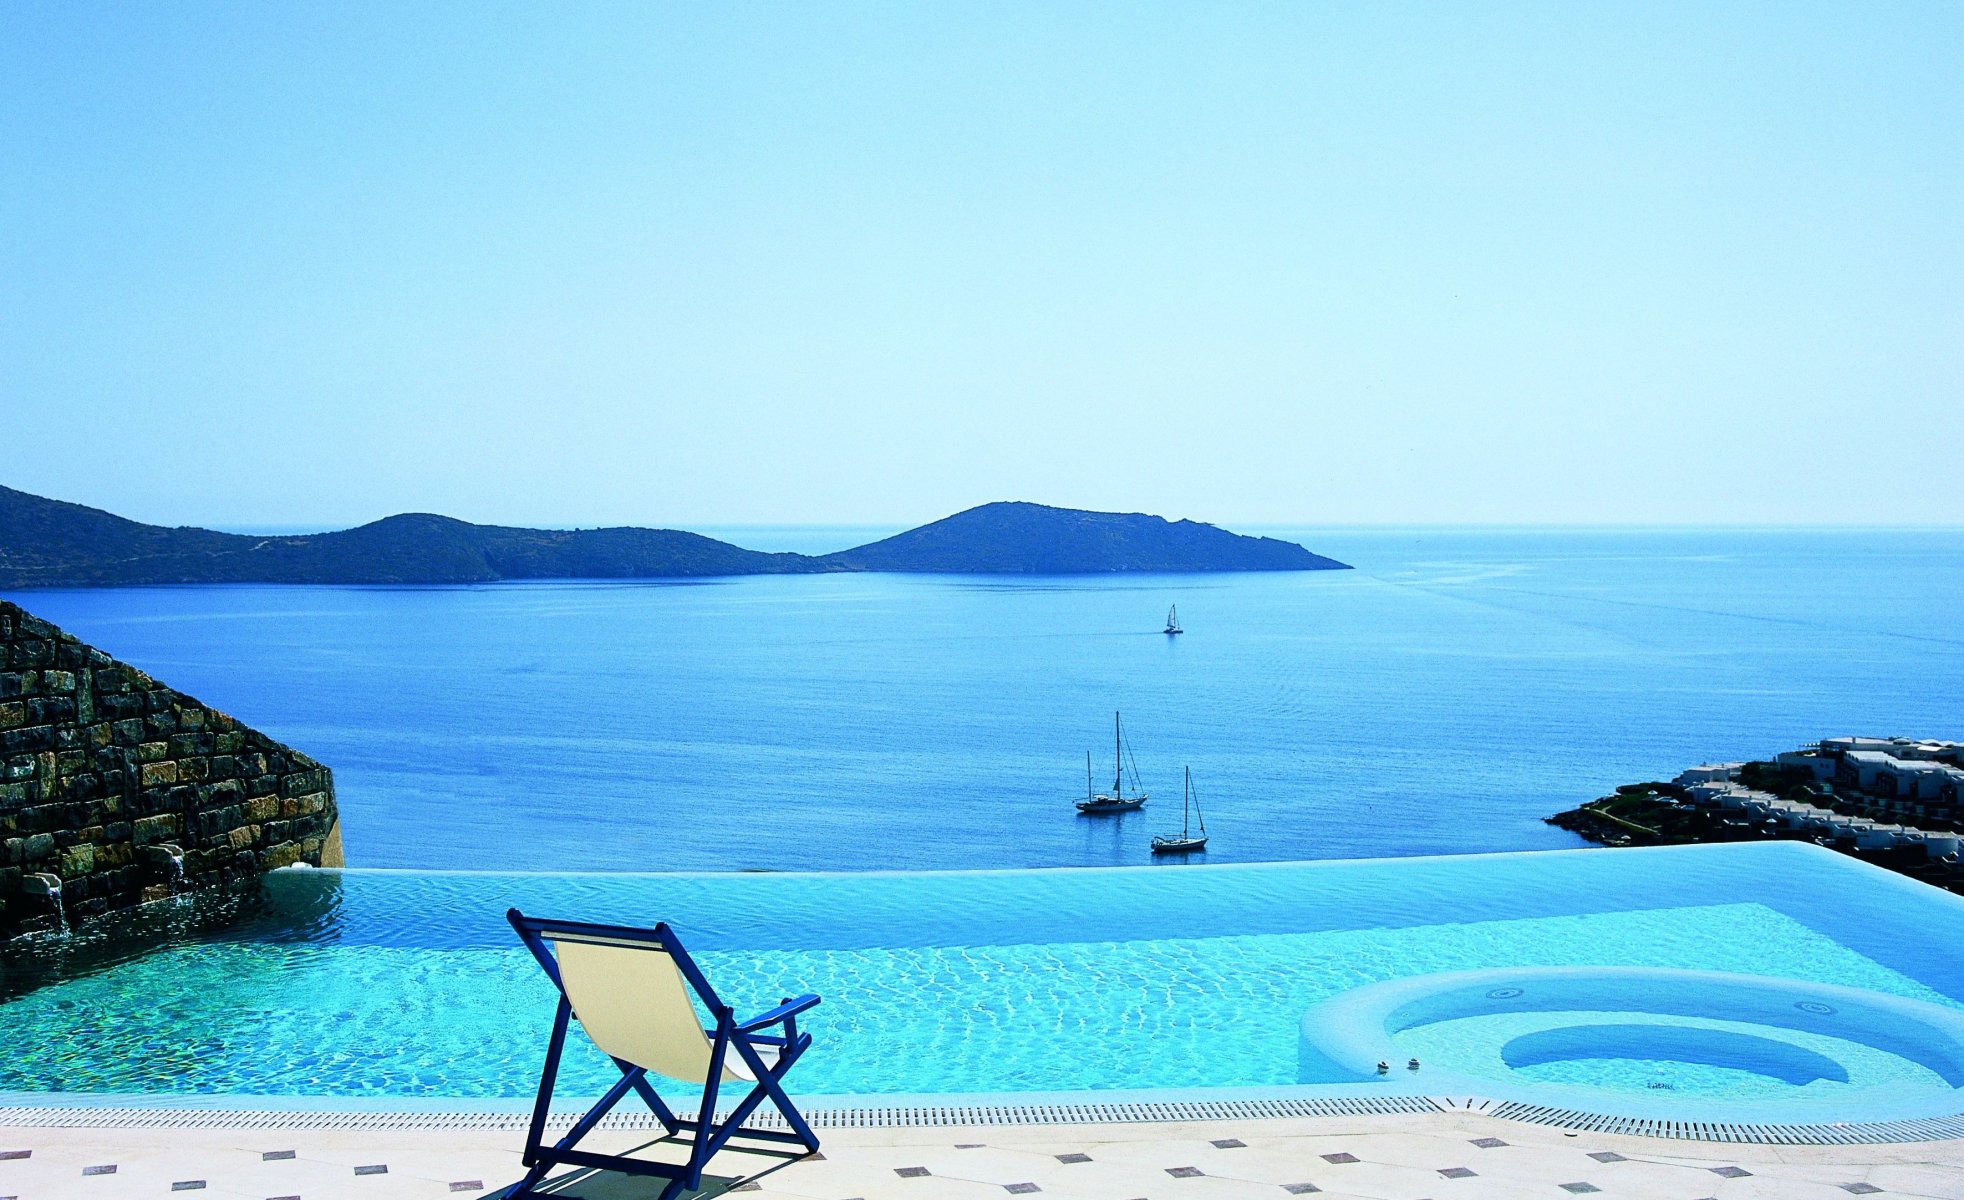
x=1173, y=621
x=1096, y=803
x=1187, y=842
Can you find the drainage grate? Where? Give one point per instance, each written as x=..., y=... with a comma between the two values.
x=1869, y=1133
x=1060, y=1113
x=824, y=1118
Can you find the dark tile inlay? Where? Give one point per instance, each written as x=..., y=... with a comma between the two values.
x=910, y=1172
x=1339, y=1158
x=188, y=1185
x=7, y=1154
x=1488, y=1143
x=1020, y=1189
x=1073, y=1158
x=110, y=1169
x=282, y=1198
x=1456, y=1172
x=1860, y=1189
x=1229, y=1144
x=1731, y=1172
x=1300, y=1189
x=467, y=1185
x=1608, y=1156
x=376, y=1169
x=1184, y=1172
x=970, y=1145
x=275, y=1155
x=1580, y=1189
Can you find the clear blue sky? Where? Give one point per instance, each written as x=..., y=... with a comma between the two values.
x=688, y=264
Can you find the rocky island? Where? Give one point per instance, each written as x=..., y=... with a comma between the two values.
x=52, y=543
x=1895, y=802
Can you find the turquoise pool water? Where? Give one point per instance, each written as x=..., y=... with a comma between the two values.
x=409, y=984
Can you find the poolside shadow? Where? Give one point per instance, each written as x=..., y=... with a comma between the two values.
x=741, y=1165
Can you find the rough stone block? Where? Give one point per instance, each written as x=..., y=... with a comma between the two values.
x=51, y=710
x=27, y=740
x=155, y=773
x=58, y=681
x=261, y=808
x=283, y=855
x=150, y=752
x=13, y=714
x=75, y=862
x=159, y=828
x=242, y=837
x=38, y=848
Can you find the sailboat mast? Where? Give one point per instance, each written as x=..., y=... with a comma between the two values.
x=1186, y=802
x=1118, y=760
x=1087, y=774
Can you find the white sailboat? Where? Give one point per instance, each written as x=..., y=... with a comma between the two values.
x=1116, y=800
x=1187, y=842
x=1173, y=620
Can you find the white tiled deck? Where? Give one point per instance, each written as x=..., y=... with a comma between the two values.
x=1435, y=1156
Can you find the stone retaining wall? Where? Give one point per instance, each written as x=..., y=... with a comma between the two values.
x=116, y=790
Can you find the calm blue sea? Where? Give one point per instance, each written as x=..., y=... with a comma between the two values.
x=1443, y=698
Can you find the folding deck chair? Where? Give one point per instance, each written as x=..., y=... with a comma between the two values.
x=630, y=989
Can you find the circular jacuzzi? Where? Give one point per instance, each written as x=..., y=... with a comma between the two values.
x=1695, y=1045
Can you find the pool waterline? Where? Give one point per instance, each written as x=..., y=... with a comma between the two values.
x=1049, y=982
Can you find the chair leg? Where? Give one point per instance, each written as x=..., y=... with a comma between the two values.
x=650, y=1096
x=548, y=1075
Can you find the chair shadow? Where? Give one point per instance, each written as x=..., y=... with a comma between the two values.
x=586, y=1183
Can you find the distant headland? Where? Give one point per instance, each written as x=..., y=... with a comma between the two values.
x=53, y=543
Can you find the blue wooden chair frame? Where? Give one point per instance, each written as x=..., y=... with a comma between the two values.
x=728, y=1035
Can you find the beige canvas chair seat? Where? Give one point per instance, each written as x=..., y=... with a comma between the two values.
x=634, y=1003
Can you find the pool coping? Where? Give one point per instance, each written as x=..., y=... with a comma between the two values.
x=84, y=1111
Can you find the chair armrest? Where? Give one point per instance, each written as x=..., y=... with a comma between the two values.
x=780, y=1014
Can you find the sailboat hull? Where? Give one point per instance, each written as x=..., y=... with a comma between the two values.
x=1166, y=845
x=1098, y=805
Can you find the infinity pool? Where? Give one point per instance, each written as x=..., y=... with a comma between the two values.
x=410, y=986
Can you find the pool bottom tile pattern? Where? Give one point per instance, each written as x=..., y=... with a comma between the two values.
x=1384, y=1157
